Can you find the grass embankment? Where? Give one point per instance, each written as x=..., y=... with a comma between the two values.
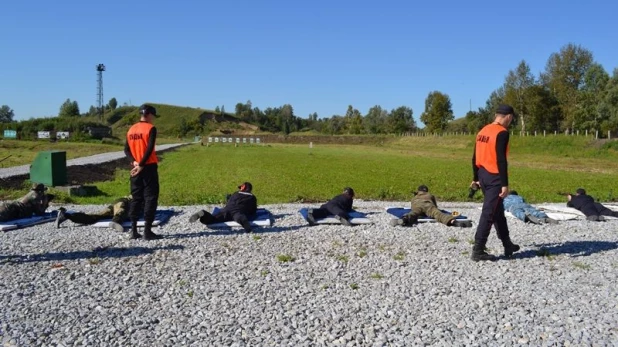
x=539, y=169
x=23, y=152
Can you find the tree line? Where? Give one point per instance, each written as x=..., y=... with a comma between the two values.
x=573, y=93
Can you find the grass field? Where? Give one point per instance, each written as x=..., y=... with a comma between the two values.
x=23, y=152
x=539, y=169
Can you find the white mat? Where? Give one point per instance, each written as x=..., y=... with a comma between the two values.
x=553, y=215
x=562, y=208
x=161, y=217
x=26, y=222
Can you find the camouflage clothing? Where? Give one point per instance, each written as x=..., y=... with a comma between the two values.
x=33, y=203
x=424, y=204
x=118, y=211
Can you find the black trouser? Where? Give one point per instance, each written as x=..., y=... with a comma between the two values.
x=325, y=211
x=237, y=217
x=493, y=210
x=604, y=211
x=145, y=192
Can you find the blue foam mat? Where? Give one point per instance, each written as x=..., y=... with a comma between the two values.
x=355, y=217
x=161, y=217
x=399, y=212
x=26, y=222
x=261, y=218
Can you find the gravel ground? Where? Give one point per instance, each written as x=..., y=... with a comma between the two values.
x=364, y=285
x=93, y=159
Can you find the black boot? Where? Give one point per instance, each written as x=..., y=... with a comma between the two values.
x=148, y=234
x=134, y=233
x=479, y=254
x=510, y=248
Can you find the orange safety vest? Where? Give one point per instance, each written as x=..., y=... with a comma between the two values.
x=137, y=138
x=486, y=147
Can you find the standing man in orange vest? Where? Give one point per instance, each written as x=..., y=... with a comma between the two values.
x=140, y=149
x=489, y=166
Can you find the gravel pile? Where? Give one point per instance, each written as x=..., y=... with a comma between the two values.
x=294, y=285
x=93, y=159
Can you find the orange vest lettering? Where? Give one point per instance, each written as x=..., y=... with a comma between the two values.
x=137, y=138
x=485, y=154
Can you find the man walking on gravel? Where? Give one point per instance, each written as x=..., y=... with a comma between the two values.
x=140, y=150
x=489, y=168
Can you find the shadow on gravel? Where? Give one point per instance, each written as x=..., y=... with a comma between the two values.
x=101, y=253
x=225, y=232
x=573, y=248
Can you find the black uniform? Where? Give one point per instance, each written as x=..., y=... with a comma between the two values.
x=490, y=169
x=145, y=186
x=340, y=206
x=587, y=205
x=239, y=208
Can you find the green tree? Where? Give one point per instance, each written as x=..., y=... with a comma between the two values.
x=400, y=120
x=438, y=112
x=6, y=114
x=336, y=124
x=542, y=109
x=590, y=113
x=564, y=78
x=608, y=107
x=375, y=120
x=353, y=121
x=69, y=109
x=113, y=103
x=223, y=110
x=516, y=83
x=217, y=110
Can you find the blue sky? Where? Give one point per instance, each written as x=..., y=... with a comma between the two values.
x=318, y=56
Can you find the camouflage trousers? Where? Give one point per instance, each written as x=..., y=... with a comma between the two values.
x=14, y=210
x=426, y=208
x=118, y=212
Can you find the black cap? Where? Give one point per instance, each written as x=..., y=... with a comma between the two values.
x=513, y=192
x=246, y=187
x=422, y=188
x=505, y=109
x=580, y=191
x=39, y=187
x=349, y=191
x=147, y=109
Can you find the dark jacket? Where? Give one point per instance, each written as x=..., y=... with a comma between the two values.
x=340, y=205
x=584, y=203
x=240, y=202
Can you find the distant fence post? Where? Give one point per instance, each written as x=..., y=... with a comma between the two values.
x=597, y=135
x=535, y=133
x=543, y=133
x=609, y=135
x=555, y=132
x=586, y=132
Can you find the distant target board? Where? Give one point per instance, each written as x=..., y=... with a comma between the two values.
x=62, y=135
x=43, y=135
x=10, y=134
x=236, y=140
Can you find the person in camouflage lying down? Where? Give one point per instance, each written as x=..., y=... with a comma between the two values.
x=118, y=211
x=32, y=204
